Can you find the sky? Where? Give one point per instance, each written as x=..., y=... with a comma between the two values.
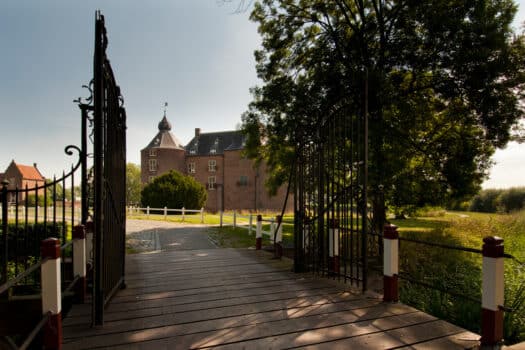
x=196, y=55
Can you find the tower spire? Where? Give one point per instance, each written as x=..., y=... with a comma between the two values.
x=165, y=107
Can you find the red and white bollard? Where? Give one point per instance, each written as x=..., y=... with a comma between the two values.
x=258, y=233
x=279, y=237
x=333, y=247
x=79, y=262
x=51, y=293
x=390, y=263
x=492, y=296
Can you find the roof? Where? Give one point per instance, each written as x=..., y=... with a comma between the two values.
x=164, y=138
x=29, y=172
x=215, y=143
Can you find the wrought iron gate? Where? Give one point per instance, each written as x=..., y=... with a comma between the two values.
x=106, y=116
x=332, y=221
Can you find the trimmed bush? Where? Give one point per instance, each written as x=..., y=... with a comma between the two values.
x=174, y=190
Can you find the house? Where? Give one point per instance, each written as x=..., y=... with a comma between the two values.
x=23, y=176
x=215, y=160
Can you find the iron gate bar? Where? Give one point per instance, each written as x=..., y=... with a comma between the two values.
x=331, y=187
x=109, y=146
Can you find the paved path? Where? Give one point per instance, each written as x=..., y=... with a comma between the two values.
x=153, y=236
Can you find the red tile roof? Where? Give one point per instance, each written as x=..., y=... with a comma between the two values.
x=29, y=172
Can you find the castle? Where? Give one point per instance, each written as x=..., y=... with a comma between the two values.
x=216, y=161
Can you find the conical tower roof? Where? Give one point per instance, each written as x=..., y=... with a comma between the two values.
x=164, y=138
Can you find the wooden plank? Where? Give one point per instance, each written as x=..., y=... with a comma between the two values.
x=243, y=299
x=462, y=340
x=248, y=326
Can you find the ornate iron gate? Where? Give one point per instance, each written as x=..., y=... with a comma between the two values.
x=106, y=183
x=332, y=221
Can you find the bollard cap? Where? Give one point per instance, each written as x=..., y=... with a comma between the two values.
x=334, y=223
x=79, y=232
x=259, y=217
x=390, y=231
x=493, y=247
x=50, y=248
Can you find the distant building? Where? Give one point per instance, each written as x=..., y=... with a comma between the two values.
x=21, y=176
x=216, y=161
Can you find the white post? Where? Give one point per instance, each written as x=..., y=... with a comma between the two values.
x=183, y=212
x=279, y=236
x=390, y=263
x=306, y=238
x=202, y=215
x=234, y=219
x=147, y=212
x=258, y=233
x=250, y=225
x=492, y=293
x=272, y=229
x=79, y=262
x=221, y=213
x=165, y=213
x=51, y=292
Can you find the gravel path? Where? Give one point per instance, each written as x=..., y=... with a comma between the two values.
x=150, y=236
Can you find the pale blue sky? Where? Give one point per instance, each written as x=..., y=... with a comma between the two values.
x=194, y=54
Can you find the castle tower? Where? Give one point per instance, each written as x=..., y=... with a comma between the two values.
x=164, y=153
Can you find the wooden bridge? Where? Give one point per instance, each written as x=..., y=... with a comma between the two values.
x=243, y=299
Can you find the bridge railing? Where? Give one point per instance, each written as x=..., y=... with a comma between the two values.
x=31, y=216
x=488, y=295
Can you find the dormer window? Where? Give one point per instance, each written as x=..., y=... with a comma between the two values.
x=215, y=146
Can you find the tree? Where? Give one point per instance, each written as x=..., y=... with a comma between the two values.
x=444, y=78
x=133, y=184
x=174, y=190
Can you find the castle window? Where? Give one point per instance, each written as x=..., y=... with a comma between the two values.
x=243, y=180
x=212, y=165
x=211, y=182
x=191, y=168
x=152, y=165
x=152, y=152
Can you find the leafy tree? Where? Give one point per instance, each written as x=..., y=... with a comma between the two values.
x=174, y=190
x=133, y=184
x=443, y=88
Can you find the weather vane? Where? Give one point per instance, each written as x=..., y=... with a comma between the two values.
x=165, y=106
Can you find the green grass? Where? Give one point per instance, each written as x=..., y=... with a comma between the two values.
x=460, y=272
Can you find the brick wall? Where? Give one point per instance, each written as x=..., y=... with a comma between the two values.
x=166, y=159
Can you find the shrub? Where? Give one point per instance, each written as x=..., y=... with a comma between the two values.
x=492, y=201
x=174, y=190
x=485, y=201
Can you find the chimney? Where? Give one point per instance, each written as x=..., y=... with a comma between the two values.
x=34, y=165
x=197, y=132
